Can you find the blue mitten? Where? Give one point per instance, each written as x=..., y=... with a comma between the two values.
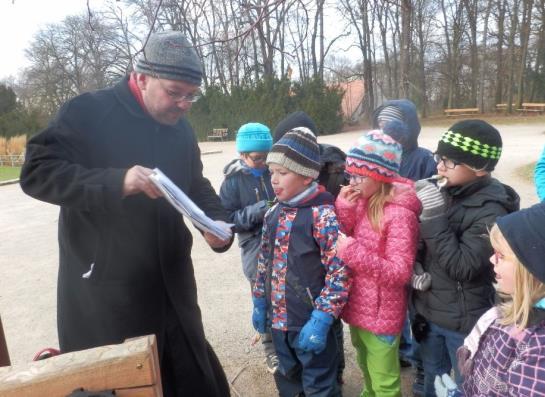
x=445, y=386
x=313, y=335
x=259, y=314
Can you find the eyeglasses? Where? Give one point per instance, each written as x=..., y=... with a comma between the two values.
x=498, y=256
x=257, y=158
x=177, y=97
x=448, y=163
x=356, y=178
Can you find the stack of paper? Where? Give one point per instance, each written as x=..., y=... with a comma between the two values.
x=188, y=208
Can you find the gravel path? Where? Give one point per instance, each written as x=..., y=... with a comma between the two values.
x=29, y=258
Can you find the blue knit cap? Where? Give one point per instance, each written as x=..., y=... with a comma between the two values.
x=253, y=137
x=525, y=234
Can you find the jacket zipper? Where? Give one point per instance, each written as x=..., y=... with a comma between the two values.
x=460, y=289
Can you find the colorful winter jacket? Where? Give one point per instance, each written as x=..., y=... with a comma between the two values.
x=381, y=263
x=298, y=269
x=509, y=362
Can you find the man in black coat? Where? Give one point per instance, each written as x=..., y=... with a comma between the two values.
x=125, y=266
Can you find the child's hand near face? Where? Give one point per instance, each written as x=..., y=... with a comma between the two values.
x=349, y=193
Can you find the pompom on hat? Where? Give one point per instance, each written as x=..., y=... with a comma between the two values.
x=375, y=155
x=297, y=151
x=524, y=231
x=472, y=142
x=253, y=137
x=169, y=55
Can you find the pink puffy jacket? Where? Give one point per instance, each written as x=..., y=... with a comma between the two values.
x=381, y=263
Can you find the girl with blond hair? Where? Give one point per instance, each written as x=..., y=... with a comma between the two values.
x=504, y=355
x=378, y=212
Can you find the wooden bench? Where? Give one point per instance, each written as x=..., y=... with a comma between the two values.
x=529, y=107
x=218, y=133
x=502, y=107
x=461, y=112
x=130, y=368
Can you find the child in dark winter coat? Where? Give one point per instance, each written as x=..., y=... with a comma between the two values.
x=454, y=252
x=378, y=212
x=504, y=355
x=245, y=194
x=301, y=284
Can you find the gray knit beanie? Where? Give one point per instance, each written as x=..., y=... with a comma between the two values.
x=169, y=55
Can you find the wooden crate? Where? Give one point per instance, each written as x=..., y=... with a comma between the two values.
x=130, y=368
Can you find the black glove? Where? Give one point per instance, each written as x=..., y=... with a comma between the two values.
x=420, y=327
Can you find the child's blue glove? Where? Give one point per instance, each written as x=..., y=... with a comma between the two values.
x=259, y=314
x=445, y=386
x=313, y=335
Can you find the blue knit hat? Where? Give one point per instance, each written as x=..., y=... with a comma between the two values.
x=253, y=137
x=525, y=234
x=297, y=151
x=376, y=155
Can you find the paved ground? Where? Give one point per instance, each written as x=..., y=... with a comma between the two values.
x=29, y=255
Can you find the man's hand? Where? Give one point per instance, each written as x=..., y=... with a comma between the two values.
x=214, y=241
x=349, y=194
x=137, y=181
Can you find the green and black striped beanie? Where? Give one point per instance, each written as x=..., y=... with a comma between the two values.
x=472, y=142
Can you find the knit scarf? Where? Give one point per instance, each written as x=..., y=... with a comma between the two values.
x=135, y=90
x=305, y=195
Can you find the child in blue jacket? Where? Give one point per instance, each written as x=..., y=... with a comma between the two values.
x=245, y=194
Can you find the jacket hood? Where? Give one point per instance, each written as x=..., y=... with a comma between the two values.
x=489, y=189
x=331, y=154
x=410, y=117
x=405, y=196
x=232, y=168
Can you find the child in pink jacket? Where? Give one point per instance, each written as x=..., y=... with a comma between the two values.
x=378, y=212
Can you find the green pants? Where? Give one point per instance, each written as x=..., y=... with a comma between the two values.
x=379, y=363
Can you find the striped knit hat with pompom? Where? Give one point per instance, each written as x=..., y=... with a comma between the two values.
x=376, y=155
x=297, y=151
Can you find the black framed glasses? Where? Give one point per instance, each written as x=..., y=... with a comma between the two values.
x=448, y=163
x=257, y=158
x=356, y=178
x=177, y=97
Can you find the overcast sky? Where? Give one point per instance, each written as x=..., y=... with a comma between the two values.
x=21, y=19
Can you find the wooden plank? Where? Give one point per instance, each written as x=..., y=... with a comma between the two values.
x=125, y=367
x=466, y=110
x=4, y=354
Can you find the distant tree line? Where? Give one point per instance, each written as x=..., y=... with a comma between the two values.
x=439, y=53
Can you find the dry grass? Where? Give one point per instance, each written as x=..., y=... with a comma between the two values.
x=526, y=172
x=13, y=145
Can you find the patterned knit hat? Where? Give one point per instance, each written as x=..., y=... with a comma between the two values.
x=169, y=55
x=253, y=137
x=472, y=142
x=376, y=155
x=297, y=151
x=389, y=113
